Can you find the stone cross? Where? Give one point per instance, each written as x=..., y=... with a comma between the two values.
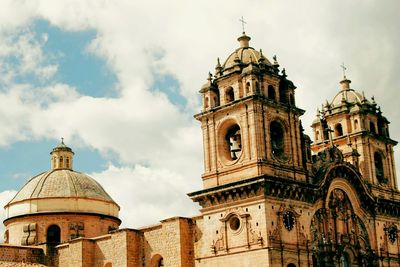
x=243, y=22
x=344, y=70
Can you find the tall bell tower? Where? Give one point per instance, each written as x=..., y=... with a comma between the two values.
x=250, y=121
x=358, y=128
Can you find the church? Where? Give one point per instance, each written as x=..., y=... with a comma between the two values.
x=271, y=196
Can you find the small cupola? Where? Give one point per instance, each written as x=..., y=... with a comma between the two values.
x=345, y=84
x=61, y=157
x=244, y=40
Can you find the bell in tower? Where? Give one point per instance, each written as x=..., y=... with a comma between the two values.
x=249, y=119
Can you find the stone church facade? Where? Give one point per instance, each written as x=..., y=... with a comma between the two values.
x=270, y=197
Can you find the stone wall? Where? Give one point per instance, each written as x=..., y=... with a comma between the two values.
x=21, y=254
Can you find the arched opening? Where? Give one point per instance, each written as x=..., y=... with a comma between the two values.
x=53, y=234
x=157, y=261
x=316, y=135
x=379, y=173
x=372, y=127
x=234, y=141
x=338, y=130
x=6, y=236
x=355, y=124
x=381, y=127
x=247, y=88
x=67, y=162
x=277, y=139
x=345, y=260
x=271, y=92
x=283, y=92
x=291, y=265
x=229, y=95
x=61, y=163
x=291, y=99
x=206, y=103
x=108, y=264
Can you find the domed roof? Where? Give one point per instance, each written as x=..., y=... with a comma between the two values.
x=350, y=96
x=61, y=190
x=347, y=95
x=61, y=183
x=245, y=54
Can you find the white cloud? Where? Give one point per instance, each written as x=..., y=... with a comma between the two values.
x=5, y=197
x=147, y=195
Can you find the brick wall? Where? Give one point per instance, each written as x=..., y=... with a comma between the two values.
x=21, y=254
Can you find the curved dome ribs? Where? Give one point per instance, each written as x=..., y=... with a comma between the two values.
x=61, y=183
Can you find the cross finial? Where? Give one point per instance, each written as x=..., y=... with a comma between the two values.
x=243, y=22
x=344, y=70
x=62, y=140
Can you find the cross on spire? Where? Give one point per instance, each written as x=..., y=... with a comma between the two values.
x=62, y=140
x=243, y=22
x=344, y=70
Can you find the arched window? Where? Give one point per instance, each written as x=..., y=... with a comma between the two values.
x=229, y=95
x=61, y=163
x=6, y=236
x=108, y=264
x=53, y=234
x=67, y=162
x=355, y=124
x=247, y=88
x=345, y=259
x=283, y=92
x=234, y=141
x=215, y=103
x=291, y=99
x=277, y=139
x=206, y=105
x=291, y=265
x=271, y=92
x=157, y=261
x=316, y=135
x=338, y=130
x=372, y=127
x=379, y=173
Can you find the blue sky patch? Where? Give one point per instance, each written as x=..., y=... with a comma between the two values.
x=170, y=86
x=88, y=73
x=23, y=160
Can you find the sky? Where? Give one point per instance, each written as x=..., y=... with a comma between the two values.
x=119, y=80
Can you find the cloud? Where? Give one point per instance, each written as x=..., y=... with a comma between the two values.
x=5, y=197
x=147, y=195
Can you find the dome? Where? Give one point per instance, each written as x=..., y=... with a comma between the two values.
x=347, y=95
x=61, y=183
x=245, y=54
x=350, y=95
x=62, y=190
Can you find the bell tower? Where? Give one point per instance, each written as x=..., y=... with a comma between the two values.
x=358, y=128
x=250, y=121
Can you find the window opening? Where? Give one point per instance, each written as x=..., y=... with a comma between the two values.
x=271, y=92
x=53, y=234
x=229, y=95
x=379, y=168
x=233, y=138
x=277, y=139
x=338, y=130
